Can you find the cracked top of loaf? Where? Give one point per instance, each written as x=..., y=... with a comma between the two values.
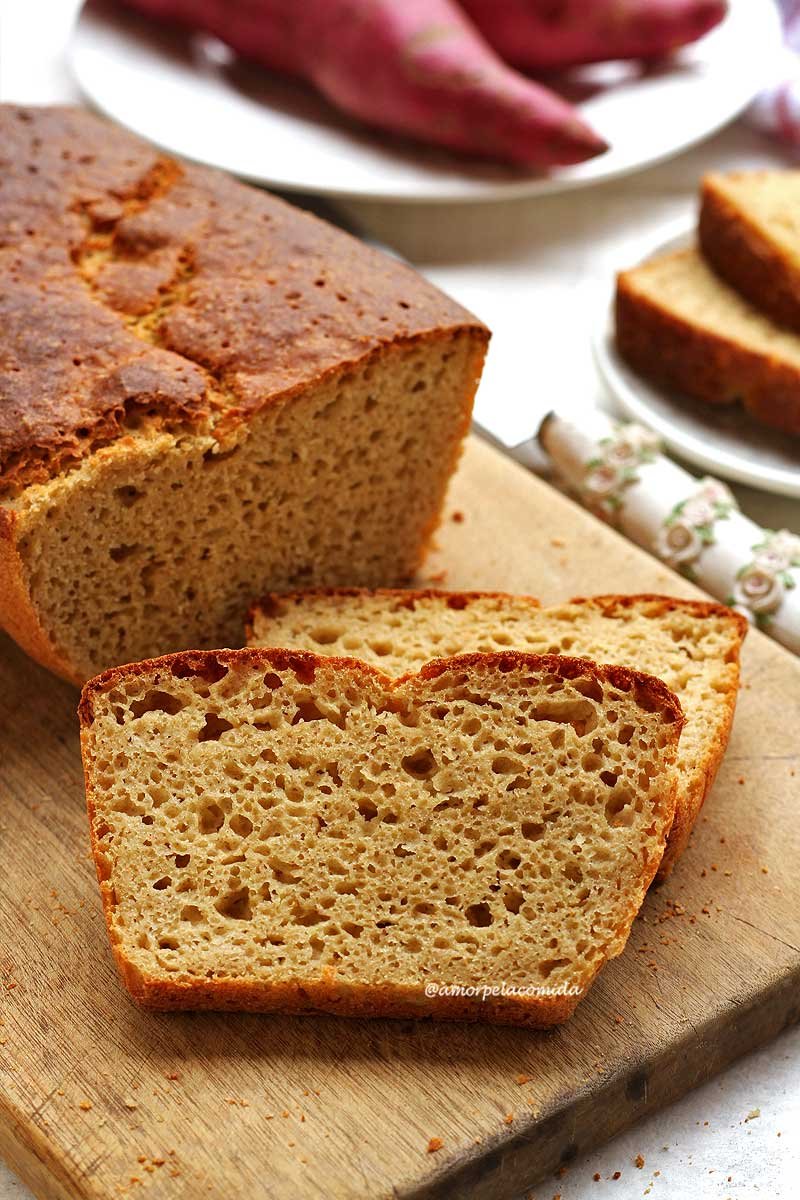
x=136, y=290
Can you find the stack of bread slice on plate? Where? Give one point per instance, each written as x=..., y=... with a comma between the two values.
x=399, y=803
x=720, y=321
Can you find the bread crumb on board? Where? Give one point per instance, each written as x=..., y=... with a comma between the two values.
x=434, y=1144
x=639, y=1161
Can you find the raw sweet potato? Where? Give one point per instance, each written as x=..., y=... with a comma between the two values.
x=545, y=35
x=415, y=67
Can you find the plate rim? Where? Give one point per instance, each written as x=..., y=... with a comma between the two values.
x=613, y=371
x=471, y=191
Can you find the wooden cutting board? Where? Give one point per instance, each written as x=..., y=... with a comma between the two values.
x=100, y=1100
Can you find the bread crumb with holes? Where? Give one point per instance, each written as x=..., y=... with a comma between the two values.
x=229, y=749
x=398, y=631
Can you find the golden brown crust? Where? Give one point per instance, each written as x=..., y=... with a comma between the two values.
x=675, y=353
x=748, y=261
x=139, y=290
x=324, y=995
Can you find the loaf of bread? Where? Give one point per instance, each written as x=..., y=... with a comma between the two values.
x=285, y=831
x=693, y=646
x=680, y=325
x=750, y=234
x=205, y=393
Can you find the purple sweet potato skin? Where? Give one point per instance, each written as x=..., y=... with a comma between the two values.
x=414, y=67
x=547, y=35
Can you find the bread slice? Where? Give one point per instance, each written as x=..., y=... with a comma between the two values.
x=206, y=393
x=680, y=325
x=692, y=645
x=285, y=831
x=749, y=231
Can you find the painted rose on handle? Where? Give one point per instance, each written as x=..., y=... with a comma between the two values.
x=689, y=527
x=616, y=467
x=761, y=584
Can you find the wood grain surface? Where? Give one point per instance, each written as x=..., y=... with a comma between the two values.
x=100, y=1100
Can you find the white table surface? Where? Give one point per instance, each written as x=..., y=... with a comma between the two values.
x=536, y=272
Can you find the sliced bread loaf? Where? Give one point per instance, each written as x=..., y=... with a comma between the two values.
x=680, y=325
x=692, y=645
x=203, y=391
x=284, y=831
x=750, y=233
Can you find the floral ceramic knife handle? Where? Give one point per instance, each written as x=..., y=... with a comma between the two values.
x=693, y=525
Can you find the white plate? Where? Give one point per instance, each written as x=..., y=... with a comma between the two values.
x=725, y=441
x=183, y=92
